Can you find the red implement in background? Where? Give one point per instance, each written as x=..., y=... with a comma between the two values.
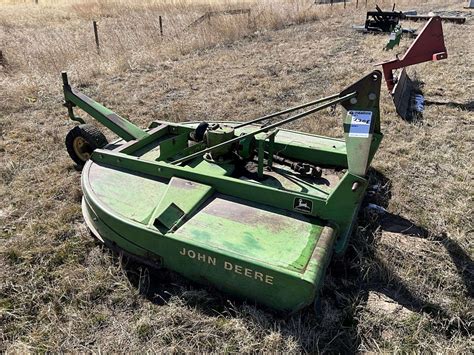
x=428, y=45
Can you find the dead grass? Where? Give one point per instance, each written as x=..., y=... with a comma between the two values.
x=406, y=282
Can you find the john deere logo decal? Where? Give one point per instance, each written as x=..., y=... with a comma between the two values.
x=303, y=205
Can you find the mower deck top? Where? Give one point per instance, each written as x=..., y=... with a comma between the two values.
x=246, y=241
x=136, y=197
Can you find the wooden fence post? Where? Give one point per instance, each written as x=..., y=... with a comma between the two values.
x=161, y=25
x=96, y=34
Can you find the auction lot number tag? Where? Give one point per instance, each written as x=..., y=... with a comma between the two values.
x=360, y=123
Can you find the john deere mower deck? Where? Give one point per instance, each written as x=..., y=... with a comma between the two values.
x=253, y=209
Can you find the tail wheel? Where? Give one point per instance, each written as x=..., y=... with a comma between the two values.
x=82, y=140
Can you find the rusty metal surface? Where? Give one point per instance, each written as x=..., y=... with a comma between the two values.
x=282, y=177
x=266, y=235
x=455, y=19
x=428, y=46
x=324, y=245
x=402, y=96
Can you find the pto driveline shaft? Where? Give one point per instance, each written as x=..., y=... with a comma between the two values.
x=263, y=118
x=276, y=124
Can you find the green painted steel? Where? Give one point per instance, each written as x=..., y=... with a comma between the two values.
x=395, y=36
x=219, y=258
x=181, y=199
x=108, y=118
x=266, y=128
x=243, y=222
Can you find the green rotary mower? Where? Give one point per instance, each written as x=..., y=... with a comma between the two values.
x=251, y=208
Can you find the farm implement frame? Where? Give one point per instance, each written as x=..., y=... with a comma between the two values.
x=249, y=207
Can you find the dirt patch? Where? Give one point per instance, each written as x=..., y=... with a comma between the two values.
x=381, y=304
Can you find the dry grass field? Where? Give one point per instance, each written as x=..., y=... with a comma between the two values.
x=406, y=281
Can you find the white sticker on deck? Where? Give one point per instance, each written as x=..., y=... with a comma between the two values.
x=360, y=123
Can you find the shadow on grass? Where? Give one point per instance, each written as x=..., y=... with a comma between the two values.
x=345, y=290
x=396, y=224
x=414, y=111
x=468, y=106
x=397, y=288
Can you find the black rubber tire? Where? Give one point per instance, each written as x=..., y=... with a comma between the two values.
x=93, y=137
x=200, y=130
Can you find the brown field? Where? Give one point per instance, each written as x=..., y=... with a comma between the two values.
x=406, y=281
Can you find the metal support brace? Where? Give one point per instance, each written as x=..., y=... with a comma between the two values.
x=261, y=151
x=340, y=98
x=428, y=46
x=271, y=148
x=261, y=155
x=119, y=125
